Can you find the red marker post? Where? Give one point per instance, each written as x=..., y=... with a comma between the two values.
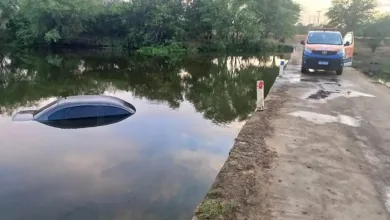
x=260, y=95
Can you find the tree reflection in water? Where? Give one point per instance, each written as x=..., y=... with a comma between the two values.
x=220, y=87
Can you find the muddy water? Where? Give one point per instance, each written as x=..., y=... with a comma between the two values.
x=157, y=164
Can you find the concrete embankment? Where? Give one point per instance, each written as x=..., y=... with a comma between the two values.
x=320, y=150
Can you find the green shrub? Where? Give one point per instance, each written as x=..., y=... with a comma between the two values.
x=168, y=50
x=53, y=36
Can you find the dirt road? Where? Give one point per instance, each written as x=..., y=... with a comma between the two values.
x=321, y=150
x=332, y=138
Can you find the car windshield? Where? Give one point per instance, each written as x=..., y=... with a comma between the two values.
x=45, y=107
x=325, y=38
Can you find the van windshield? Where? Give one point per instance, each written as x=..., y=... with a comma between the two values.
x=325, y=38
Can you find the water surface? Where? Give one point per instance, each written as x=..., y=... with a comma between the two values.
x=157, y=164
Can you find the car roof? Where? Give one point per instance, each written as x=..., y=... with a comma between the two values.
x=90, y=99
x=334, y=32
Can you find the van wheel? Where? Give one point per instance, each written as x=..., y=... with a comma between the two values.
x=339, y=71
x=303, y=69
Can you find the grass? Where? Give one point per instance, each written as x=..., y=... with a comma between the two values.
x=213, y=209
x=375, y=64
x=215, y=193
x=385, y=74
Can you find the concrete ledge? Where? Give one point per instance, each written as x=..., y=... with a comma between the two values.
x=384, y=82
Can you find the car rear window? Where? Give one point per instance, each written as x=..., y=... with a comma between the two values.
x=128, y=105
x=46, y=107
x=325, y=38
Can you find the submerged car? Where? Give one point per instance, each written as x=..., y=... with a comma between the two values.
x=86, y=122
x=327, y=50
x=79, y=112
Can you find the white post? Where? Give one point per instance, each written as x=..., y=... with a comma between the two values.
x=260, y=95
x=281, y=69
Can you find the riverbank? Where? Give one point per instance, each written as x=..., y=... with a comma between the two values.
x=317, y=151
x=174, y=49
x=179, y=49
x=374, y=64
x=245, y=176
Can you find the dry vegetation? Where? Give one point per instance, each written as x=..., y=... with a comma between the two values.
x=376, y=64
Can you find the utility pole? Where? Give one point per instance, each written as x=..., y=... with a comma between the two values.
x=318, y=19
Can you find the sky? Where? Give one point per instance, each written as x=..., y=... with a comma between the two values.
x=310, y=8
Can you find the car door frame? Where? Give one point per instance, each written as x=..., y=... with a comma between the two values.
x=348, y=50
x=44, y=116
x=83, y=105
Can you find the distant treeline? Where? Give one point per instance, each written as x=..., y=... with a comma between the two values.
x=177, y=24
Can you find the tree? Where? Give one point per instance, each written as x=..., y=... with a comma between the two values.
x=221, y=24
x=241, y=22
x=7, y=11
x=278, y=16
x=347, y=14
x=377, y=30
